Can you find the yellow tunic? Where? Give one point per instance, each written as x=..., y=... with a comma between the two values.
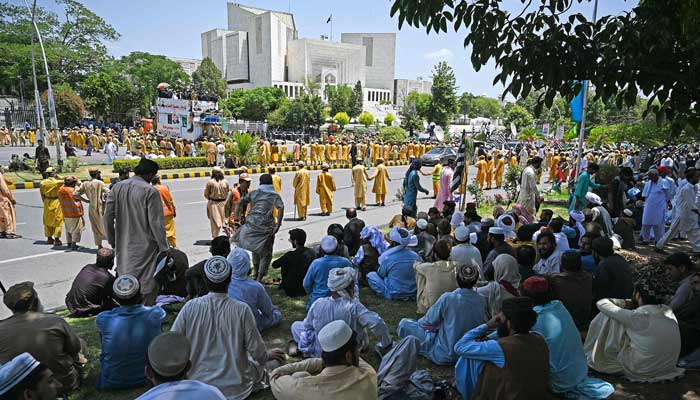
x=489, y=173
x=302, y=187
x=498, y=173
x=359, y=181
x=277, y=183
x=325, y=186
x=53, y=216
x=380, y=177
x=481, y=173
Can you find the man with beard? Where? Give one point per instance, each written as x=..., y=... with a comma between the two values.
x=549, y=255
x=513, y=362
x=529, y=195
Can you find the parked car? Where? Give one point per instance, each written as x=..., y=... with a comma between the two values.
x=434, y=156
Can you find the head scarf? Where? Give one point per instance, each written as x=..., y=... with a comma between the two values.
x=507, y=280
x=409, y=241
x=376, y=238
x=508, y=229
x=578, y=217
x=340, y=279
x=523, y=214
x=240, y=263
x=498, y=211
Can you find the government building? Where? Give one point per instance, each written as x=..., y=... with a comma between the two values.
x=262, y=48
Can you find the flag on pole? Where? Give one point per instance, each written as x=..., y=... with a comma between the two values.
x=577, y=104
x=330, y=18
x=461, y=164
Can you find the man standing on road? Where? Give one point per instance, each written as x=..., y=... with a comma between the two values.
x=220, y=154
x=529, y=196
x=258, y=232
x=8, y=220
x=111, y=151
x=412, y=186
x=381, y=179
x=53, y=217
x=72, y=208
x=302, y=191
x=325, y=186
x=96, y=192
x=216, y=193
x=359, y=179
x=136, y=227
x=169, y=212
x=42, y=157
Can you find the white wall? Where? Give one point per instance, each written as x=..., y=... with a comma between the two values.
x=380, y=74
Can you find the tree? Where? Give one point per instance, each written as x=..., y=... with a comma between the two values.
x=109, y=93
x=443, y=103
x=366, y=119
x=358, y=98
x=388, y=119
x=304, y=111
x=465, y=104
x=544, y=47
x=69, y=106
x=278, y=117
x=340, y=98
x=518, y=115
x=393, y=134
x=414, y=110
x=342, y=118
x=208, y=79
x=486, y=107
x=259, y=102
x=74, y=43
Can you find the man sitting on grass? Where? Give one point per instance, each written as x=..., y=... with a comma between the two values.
x=24, y=377
x=91, y=291
x=341, y=304
x=131, y=326
x=316, y=279
x=396, y=278
x=294, y=264
x=168, y=361
x=250, y=291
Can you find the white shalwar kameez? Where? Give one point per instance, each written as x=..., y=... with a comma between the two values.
x=657, y=195
x=685, y=217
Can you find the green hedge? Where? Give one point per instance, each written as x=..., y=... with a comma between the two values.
x=163, y=163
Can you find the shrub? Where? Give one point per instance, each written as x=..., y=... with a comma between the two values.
x=389, y=119
x=342, y=118
x=163, y=163
x=366, y=119
x=245, y=148
x=393, y=134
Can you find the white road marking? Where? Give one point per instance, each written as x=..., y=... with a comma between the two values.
x=32, y=256
x=197, y=202
x=21, y=223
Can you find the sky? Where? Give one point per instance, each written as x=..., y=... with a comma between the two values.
x=173, y=28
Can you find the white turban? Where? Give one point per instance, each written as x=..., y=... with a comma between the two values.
x=409, y=240
x=340, y=279
x=578, y=217
x=593, y=198
x=457, y=219
x=508, y=229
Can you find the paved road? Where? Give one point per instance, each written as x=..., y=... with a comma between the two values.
x=52, y=271
x=6, y=153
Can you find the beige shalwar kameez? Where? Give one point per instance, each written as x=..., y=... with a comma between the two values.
x=216, y=192
x=96, y=192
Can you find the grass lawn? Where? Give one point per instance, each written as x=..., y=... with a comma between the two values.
x=292, y=310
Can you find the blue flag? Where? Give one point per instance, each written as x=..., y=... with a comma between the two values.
x=577, y=104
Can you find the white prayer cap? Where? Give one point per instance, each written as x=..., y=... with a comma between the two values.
x=494, y=230
x=593, y=198
x=473, y=237
x=217, y=169
x=457, y=219
x=126, y=287
x=653, y=171
x=577, y=216
x=627, y=212
x=334, y=335
x=422, y=224
x=329, y=244
x=15, y=371
x=324, y=166
x=340, y=278
x=217, y=269
x=461, y=233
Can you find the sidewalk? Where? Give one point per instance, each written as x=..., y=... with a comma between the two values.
x=234, y=171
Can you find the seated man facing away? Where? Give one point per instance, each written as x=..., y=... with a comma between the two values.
x=250, y=291
x=568, y=371
x=341, y=304
x=340, y=373
x=679, y=268
x=613, y=275
x=465, y=253
x=435, y=278
x=294, y=264
x=47, y=337
x=689, y=322
x=227, y=349
x=454, y=314
x=639, y=338
x=497, y=241
x=513, y=366
x=167, y=364
x=574, y=288
x=91, y=291
x=317, y=276
x=196, y=282
x=126, y=332
x=396, y=278
x=24, y=377
x=526, y=256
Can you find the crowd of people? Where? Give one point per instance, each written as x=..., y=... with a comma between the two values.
x=523, y=306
